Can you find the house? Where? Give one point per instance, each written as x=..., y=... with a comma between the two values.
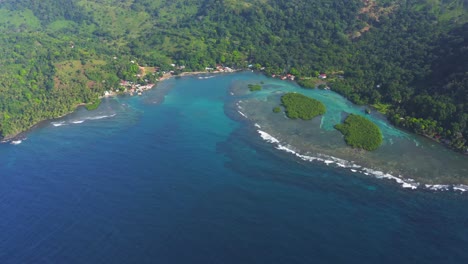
x=322, y=76
x=219, y=67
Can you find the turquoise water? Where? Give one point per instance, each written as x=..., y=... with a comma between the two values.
x=179, y=176
x=411, y=160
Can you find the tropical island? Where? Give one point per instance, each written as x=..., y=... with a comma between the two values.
x=360, y=132
x=300, y=106
x=408, y=61
x=254, y=87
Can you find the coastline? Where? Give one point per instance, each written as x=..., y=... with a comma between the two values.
x=170, y=75
x=283, y=143
x=22, y=134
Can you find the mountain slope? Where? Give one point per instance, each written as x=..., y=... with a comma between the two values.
x=407, y=57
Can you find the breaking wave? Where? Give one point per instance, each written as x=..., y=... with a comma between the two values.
x=16, y=142
x=242, y=114
x=100, y=117
x=205, y=77
x=355, y=168
x=64, y=123
x=57, y=124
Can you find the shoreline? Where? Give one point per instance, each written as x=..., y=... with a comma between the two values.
x=169, y=75
x=22, y=135
x=165, y=77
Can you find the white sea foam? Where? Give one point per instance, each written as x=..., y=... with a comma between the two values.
x=404, y=182
x=341, y=165
x=257, y=125
x=267, y=137
x=205, y=77
x=242, y=114
x=100, y=117
x=16, y=142
x=438, y=187
x=284, y=148
x=461, y=188
x=305, y=157
x=57, y=124
x=409, y=185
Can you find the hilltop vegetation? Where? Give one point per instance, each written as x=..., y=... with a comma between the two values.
x=359, y=132
x=411, y=56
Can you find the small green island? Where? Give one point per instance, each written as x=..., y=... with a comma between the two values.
x=254, y=87
x=360, y=132
x=277, y=109
x=301, y=106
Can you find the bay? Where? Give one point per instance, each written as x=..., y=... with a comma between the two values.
x=179, y=176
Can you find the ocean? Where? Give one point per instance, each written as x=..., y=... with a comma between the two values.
x=182, y=174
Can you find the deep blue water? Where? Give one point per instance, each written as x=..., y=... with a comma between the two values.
x=188, y=181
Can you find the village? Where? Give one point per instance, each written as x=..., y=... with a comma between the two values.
x=137, y=88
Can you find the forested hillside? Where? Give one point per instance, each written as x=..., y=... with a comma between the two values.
x=407, y=58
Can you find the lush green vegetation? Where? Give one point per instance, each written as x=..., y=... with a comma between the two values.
x=277, y=109
x=301, y=106
x=360, y=132
x=409, y=56
x=254, y=87
x=310, y=83
x=93, y=105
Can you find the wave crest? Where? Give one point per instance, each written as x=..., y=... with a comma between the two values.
x=328, y=160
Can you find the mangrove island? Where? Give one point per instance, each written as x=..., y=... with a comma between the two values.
x=360, y=132
x=301, y=106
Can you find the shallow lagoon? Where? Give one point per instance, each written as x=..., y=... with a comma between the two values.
x=412, y=160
